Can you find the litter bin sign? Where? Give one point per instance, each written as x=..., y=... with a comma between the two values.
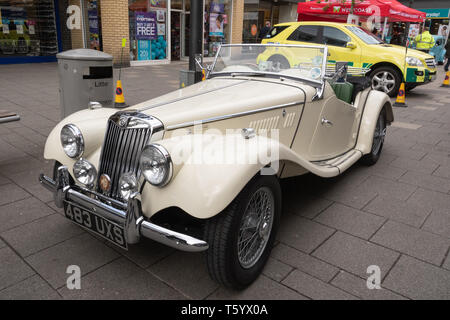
x=84, y=76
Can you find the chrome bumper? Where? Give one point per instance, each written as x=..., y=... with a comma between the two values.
x=128, y=216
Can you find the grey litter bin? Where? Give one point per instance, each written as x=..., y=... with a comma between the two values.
x=84, y=76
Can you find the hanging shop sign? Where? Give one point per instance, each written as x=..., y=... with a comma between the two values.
x=146, y=28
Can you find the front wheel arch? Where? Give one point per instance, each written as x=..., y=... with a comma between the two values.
x=398, y=74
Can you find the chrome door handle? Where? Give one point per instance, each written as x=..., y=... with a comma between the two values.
x=326, y=122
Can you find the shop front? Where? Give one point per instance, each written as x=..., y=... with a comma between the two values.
x=438, y=21
x=159, y=29
x=28, y=31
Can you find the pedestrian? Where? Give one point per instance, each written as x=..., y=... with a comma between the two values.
x=264, y=30
x=447, y=54
x=424, y=41
x=397, y=38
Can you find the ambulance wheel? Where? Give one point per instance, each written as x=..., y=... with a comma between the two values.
x=386, y=79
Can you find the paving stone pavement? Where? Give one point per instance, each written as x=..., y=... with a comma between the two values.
x=395, y=215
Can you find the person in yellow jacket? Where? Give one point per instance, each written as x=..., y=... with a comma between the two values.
x=424, y=41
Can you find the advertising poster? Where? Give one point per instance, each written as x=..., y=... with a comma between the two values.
x=158, y=3
x=414, y=30
x=94, y=28
x=443, y=31
x=144, y=50
x=31, y=27
x=161, y=29
x=216, y=25
x=146, y=28
x=19, y=29
x=217, y=7
x=5, y=28
x=160, y=16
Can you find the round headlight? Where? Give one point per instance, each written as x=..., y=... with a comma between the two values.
x=127, y=185
x=156, y=165
x=72, y=141
x=85, y=172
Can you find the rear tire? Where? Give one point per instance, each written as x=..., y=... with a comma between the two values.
x=386, y=79
x=377, y=142
x=241, y=237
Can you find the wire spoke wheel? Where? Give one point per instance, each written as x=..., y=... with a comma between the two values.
x=255, y=228
x=379, y=135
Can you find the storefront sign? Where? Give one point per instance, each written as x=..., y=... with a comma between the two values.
x=146, y=28
x=436, y=13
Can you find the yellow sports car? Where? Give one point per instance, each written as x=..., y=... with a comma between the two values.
x=361, y=49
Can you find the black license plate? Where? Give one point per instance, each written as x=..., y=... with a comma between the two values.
x=89, y=220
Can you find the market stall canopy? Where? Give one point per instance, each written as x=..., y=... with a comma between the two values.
x=337, y=10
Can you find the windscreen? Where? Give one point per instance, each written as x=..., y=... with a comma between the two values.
x=302, y=62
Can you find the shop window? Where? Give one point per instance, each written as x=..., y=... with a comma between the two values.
x=334, y=37
x=27, y=28
x=148, y=29
x=217, y=25
x=305, y=34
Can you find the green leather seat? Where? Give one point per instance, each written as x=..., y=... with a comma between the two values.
x=343, y=90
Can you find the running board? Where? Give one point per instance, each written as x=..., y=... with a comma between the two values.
x=336, y=166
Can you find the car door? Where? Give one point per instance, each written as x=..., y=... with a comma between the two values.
x=337, y=40
x=335, y=130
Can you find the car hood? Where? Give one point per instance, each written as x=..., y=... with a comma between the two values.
x=399, y=50
x=222, y=96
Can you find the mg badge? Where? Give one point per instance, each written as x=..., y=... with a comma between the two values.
x=105, y=182
x=123, y=121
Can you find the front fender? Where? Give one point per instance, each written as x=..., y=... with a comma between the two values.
x=203, y=187
x=375, y=103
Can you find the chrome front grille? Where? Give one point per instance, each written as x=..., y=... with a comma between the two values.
x=431, y=63
x=127, y=134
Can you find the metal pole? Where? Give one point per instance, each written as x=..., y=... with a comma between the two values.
x=196, y=37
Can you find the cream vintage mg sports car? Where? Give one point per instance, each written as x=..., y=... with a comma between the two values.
x=198, y=169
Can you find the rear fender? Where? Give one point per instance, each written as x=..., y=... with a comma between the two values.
x=375, y=103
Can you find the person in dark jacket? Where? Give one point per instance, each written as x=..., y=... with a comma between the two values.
x=447, y=53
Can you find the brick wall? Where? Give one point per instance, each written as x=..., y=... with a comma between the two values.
x=114, y=28
x=238, y=21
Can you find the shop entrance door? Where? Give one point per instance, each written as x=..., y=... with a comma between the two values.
x=175, y=18
x=187, y=23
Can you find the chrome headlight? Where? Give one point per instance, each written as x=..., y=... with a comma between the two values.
x=412, y=61
x=72, y=141
x=156, y=165
x=85, y=172
x=127, y=185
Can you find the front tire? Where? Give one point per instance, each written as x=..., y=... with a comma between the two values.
x=241, y=237
x=377, y=142
x=386, y=79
